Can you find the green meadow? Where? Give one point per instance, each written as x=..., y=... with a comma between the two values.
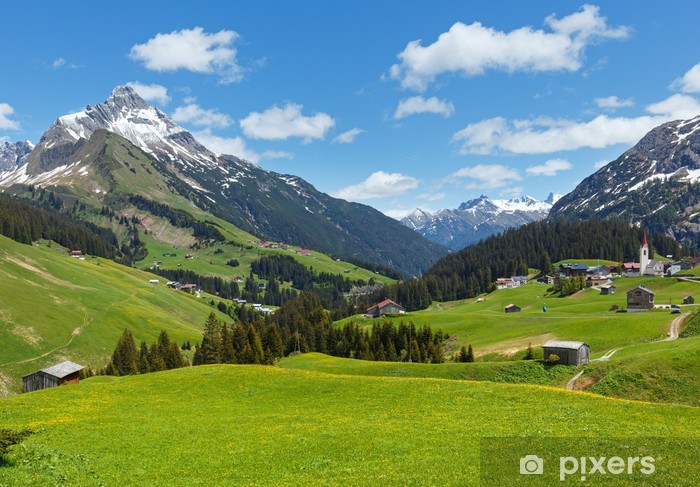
x=659, y=372
x=516, y=372
x=55, y=307
x=257, y=425
x=584, y=316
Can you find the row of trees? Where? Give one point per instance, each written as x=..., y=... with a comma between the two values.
x=25, y=223
x=302, y=325
x=163, y=354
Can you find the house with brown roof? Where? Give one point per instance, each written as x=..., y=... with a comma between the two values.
x=385, y=307
x=640, y=298
x=61, y=374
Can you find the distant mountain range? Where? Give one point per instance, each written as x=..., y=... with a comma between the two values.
x=72, y=156
x=655, y=184
x=477, y=219
x=13, y=154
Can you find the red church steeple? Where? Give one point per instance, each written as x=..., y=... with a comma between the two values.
x=644, y=240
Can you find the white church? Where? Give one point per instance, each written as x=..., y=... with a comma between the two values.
x=646, y=266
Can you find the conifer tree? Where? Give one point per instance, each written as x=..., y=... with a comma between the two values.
x=470, y=354
x=124, y=357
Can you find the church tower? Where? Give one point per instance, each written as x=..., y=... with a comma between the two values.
x=643, y=255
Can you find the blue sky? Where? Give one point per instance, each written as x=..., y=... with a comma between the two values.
x=394, y=104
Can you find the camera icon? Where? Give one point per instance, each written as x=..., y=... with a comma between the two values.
x=531, y=465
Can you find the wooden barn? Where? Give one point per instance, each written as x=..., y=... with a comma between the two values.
x=569, y=353
x=61, y=374
x=511, y=308
x=688, y=300
x=607, y=289
x=385, y=307
x=640, y=298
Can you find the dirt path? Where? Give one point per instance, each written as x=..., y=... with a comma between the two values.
x=675, y=327
x=606, y=356
x=74, y=334
x=570, y=384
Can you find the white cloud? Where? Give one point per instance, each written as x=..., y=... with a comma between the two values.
x=5, y=123
x=153, y=92
x=347, y=137
x=549, y=168
x=234, y=146
x=600, y=164
x=191, y=50
x=613, y=102
x=280, y=123
x=545, y=135
x=196, y=115
x=486, y=176
x=432, y=196
x=418, y=104
x=690, y=81
x=472, y=49
x=58, y=62
x=398, y=214
x=512, y=191
x=676, y=107
x=276, y=154
x=378, y=185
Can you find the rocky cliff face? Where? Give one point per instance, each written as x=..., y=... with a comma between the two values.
x=13, y=154
x=655, y=183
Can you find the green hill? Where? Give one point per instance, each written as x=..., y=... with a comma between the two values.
x=660, y=372
x=55, y=307
x=244, y=425
x=515, y=372
x=584, y=316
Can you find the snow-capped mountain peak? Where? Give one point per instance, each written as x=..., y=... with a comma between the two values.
x=476, y=219
x=13, y=154
x=125, y=113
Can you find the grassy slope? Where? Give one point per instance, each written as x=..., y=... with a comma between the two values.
x=47, y=296
x=583, y=316
x=270, y=426
x=516, y=372
x=145, y=180
x=663, y=372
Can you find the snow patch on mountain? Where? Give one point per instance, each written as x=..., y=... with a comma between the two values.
x=476, y=219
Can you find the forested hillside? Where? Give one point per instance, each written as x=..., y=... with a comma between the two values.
x=473, y=270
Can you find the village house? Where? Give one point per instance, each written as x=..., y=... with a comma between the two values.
x=76, y=253
x=569, y=353
x=654, y=268
x=61, y=374
x=630, y=269
x=688, y=300
x=607, y=289
x=189, y=288
x=545, y=280
x=571, y=270
x=385, y=307
x=511, y=308
x=304, y=252
x=640, y=298
x=505, y=283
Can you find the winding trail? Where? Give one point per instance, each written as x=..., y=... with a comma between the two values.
x=570, y=384
x=606, y=356
x=675, y=327
x=74, y=334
